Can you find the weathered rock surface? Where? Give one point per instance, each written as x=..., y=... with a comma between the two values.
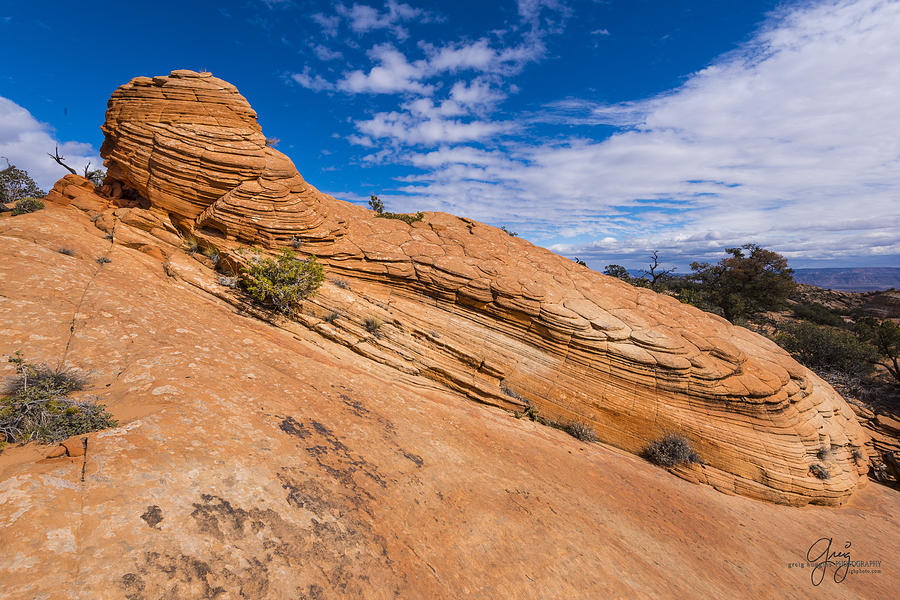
x=483, y=312
x=261, y=461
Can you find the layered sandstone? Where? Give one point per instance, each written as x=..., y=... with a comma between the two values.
x=263, y=461
x=487, y=314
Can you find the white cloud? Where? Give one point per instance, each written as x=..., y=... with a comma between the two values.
x=544, y=15
x=25, y=141
x=465, y=155
x=392, y=74
x=360, y=140
x=481, y=56
x=477, y=94
x=363, y=18
x=313, y=82
x=408, y=129
x=325, y=53
x=789, y=141
x=328, y=23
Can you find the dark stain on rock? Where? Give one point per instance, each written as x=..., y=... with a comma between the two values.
x=413, y=457
x=313, y=592
x=292, y=427
x=216, y=517
x=358, y=409
x=132, y=586
x=355, y=406
x=329, y=552
x=152, y=516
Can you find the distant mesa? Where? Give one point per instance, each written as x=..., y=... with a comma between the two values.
x=486, y=314
x=856, y=279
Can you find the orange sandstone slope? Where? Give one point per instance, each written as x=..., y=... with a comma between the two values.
x=259, y=460
x=483, y=312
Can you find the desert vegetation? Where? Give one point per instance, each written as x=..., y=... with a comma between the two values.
x=377, y=205
x=671, y=450
x=751, y=283
x=748, y=281
x=373, y=326
x=581, y=431
x=16, y=185
x=35, y=405
x=281, y=283
x=27, y=205
x=577, y=429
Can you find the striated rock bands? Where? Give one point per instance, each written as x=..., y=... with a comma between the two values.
x=482, y=312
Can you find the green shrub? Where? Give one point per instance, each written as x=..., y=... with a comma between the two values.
x=748, y=281
x=377, y=205
x=825, y=348
x=16, y=184
x=671, y=451
x=281, y=283
x=408, y=219
x=35, y=406
x=27, y=205
x=332, y=316
x=818, y=313
x=885, y=338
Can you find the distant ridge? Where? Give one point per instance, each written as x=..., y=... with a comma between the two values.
x=858, y=279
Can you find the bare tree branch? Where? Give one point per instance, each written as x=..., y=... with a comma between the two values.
x=59, y=159
x=657, y=275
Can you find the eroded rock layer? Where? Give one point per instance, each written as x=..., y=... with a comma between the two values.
x=487, y=314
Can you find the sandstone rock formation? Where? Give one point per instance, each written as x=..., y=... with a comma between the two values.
x=258, y=461
x=487, y=314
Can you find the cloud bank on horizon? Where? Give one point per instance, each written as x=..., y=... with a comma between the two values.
x=25, y=143
x=789, y=140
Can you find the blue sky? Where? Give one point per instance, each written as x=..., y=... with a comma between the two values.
x=602, y=130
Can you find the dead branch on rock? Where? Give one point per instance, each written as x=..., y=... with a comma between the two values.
x=59, y=159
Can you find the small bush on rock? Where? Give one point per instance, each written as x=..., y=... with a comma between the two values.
x=377, y=205
x=581, y=431
x=671, y=451
x=282, y=283
x=27, y=205
x=34, y=405
x=373, y=326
